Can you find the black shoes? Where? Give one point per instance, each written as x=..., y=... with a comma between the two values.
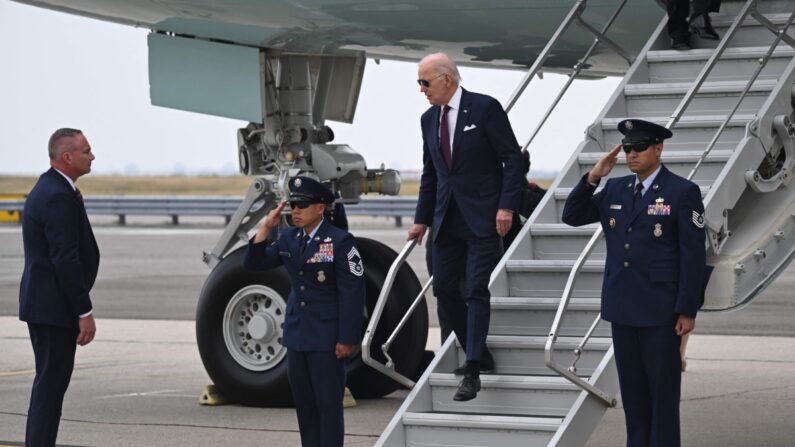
x=680, y=43
x=701, y=25
x=468, y=389
x=486, y=365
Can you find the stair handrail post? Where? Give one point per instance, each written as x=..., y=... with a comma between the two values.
x=549, y=347
x=387, y=369
x=780, y=33
x=575, y=11
x=707, y=69
x=599, y=36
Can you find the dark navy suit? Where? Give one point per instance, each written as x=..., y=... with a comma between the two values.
x=461, y=203
x=654, y=272
x=325, y=307
x=61, y=263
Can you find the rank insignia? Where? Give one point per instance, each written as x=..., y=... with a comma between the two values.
x=325, y=253
x=659, y=208
x=612, y=222
x=355, y=262
x=698, y=219
x=657, y=230
x=321, y=276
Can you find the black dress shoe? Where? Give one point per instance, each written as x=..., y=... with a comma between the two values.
x=701, y=25
x=468, y=389
x=680, y=43
x=486, y=365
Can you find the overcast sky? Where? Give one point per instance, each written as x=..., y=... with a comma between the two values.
x=59, y=70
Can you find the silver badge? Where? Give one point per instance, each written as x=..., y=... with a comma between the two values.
x=660, y=200
x=655, y=187
x=297, y=183
x=321, y=276
x=317, y=238
x=328, y=239
x=628, y=125
x=612, y=222
x=657, y=230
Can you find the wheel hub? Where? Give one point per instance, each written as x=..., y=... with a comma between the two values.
x=252, y=327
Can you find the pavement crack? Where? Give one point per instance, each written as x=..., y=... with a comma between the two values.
x=738, y=393
x=178, y=425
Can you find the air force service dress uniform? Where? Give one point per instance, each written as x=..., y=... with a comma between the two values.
x=324, y=308
x=654, y=272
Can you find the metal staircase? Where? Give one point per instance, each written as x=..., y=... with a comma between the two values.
x=546, y=289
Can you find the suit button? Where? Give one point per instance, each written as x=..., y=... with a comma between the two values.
x=626, y=263
x=626, y=246
x=301, y=273
x=629, y=230
x=303, y=303
x=302, y=288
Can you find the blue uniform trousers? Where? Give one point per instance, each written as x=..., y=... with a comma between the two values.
x=650, y=374
x=317, y=381
x=458, y=253
x=54, y=351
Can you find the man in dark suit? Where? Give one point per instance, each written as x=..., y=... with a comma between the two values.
x=682, y=20
x=654, y=278
x=323, y=320
x=61, y=262
x=469, y=189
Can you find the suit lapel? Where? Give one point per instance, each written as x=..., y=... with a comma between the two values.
x=462, y=120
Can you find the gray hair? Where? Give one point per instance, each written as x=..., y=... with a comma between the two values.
x=443, y=64
x=54, y=148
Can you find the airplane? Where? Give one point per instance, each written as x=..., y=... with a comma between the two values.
x=289, y=67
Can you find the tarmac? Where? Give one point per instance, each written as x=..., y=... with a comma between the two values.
x=139, y=382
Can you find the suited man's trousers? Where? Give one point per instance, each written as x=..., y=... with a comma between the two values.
x=317, y=381
x=649, y=375
x=459, y=253
x=54, y=351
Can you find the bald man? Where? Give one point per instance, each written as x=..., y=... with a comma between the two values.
x=470, y=187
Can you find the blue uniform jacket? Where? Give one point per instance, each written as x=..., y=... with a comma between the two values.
x=656, y=258
x=486, y=172
x=61, y=255
x=326, y=303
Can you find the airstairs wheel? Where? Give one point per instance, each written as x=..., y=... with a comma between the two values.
x=239, y=325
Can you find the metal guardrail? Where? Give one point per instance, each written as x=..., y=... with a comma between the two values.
x=175, y=206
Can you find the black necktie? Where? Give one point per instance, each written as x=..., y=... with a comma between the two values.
x=638, y=196
x=80, y=197
x=444, y=139
x=304, y=241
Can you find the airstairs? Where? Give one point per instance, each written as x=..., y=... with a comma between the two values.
x=730, y=105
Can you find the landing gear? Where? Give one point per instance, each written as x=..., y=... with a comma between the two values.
x=239, y=328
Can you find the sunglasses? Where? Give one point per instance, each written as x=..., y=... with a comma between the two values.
x=300, y=205
x=426, y=83
x=637, y=147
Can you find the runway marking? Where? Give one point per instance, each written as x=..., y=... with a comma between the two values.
x=21, y=372
x=160, y=393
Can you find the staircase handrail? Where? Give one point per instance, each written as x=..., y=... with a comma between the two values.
x=574, y=15
x=388, y=368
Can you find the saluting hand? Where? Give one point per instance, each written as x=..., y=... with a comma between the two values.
x=270, y=222
x=343, y=351
x=604, y=165
x=88, y=329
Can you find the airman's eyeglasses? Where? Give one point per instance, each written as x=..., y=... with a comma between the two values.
x=427, y=83
x=637, y=147
x=300, y=205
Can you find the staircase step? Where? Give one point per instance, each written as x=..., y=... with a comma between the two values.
x=514, y=354
x=547, y=278
x=507, y=395
x=534, y=316
x=466, y=430
x=735, y=64
x=750, y=33
x=712, y=98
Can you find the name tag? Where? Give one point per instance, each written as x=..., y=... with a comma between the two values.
x=615, y=206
